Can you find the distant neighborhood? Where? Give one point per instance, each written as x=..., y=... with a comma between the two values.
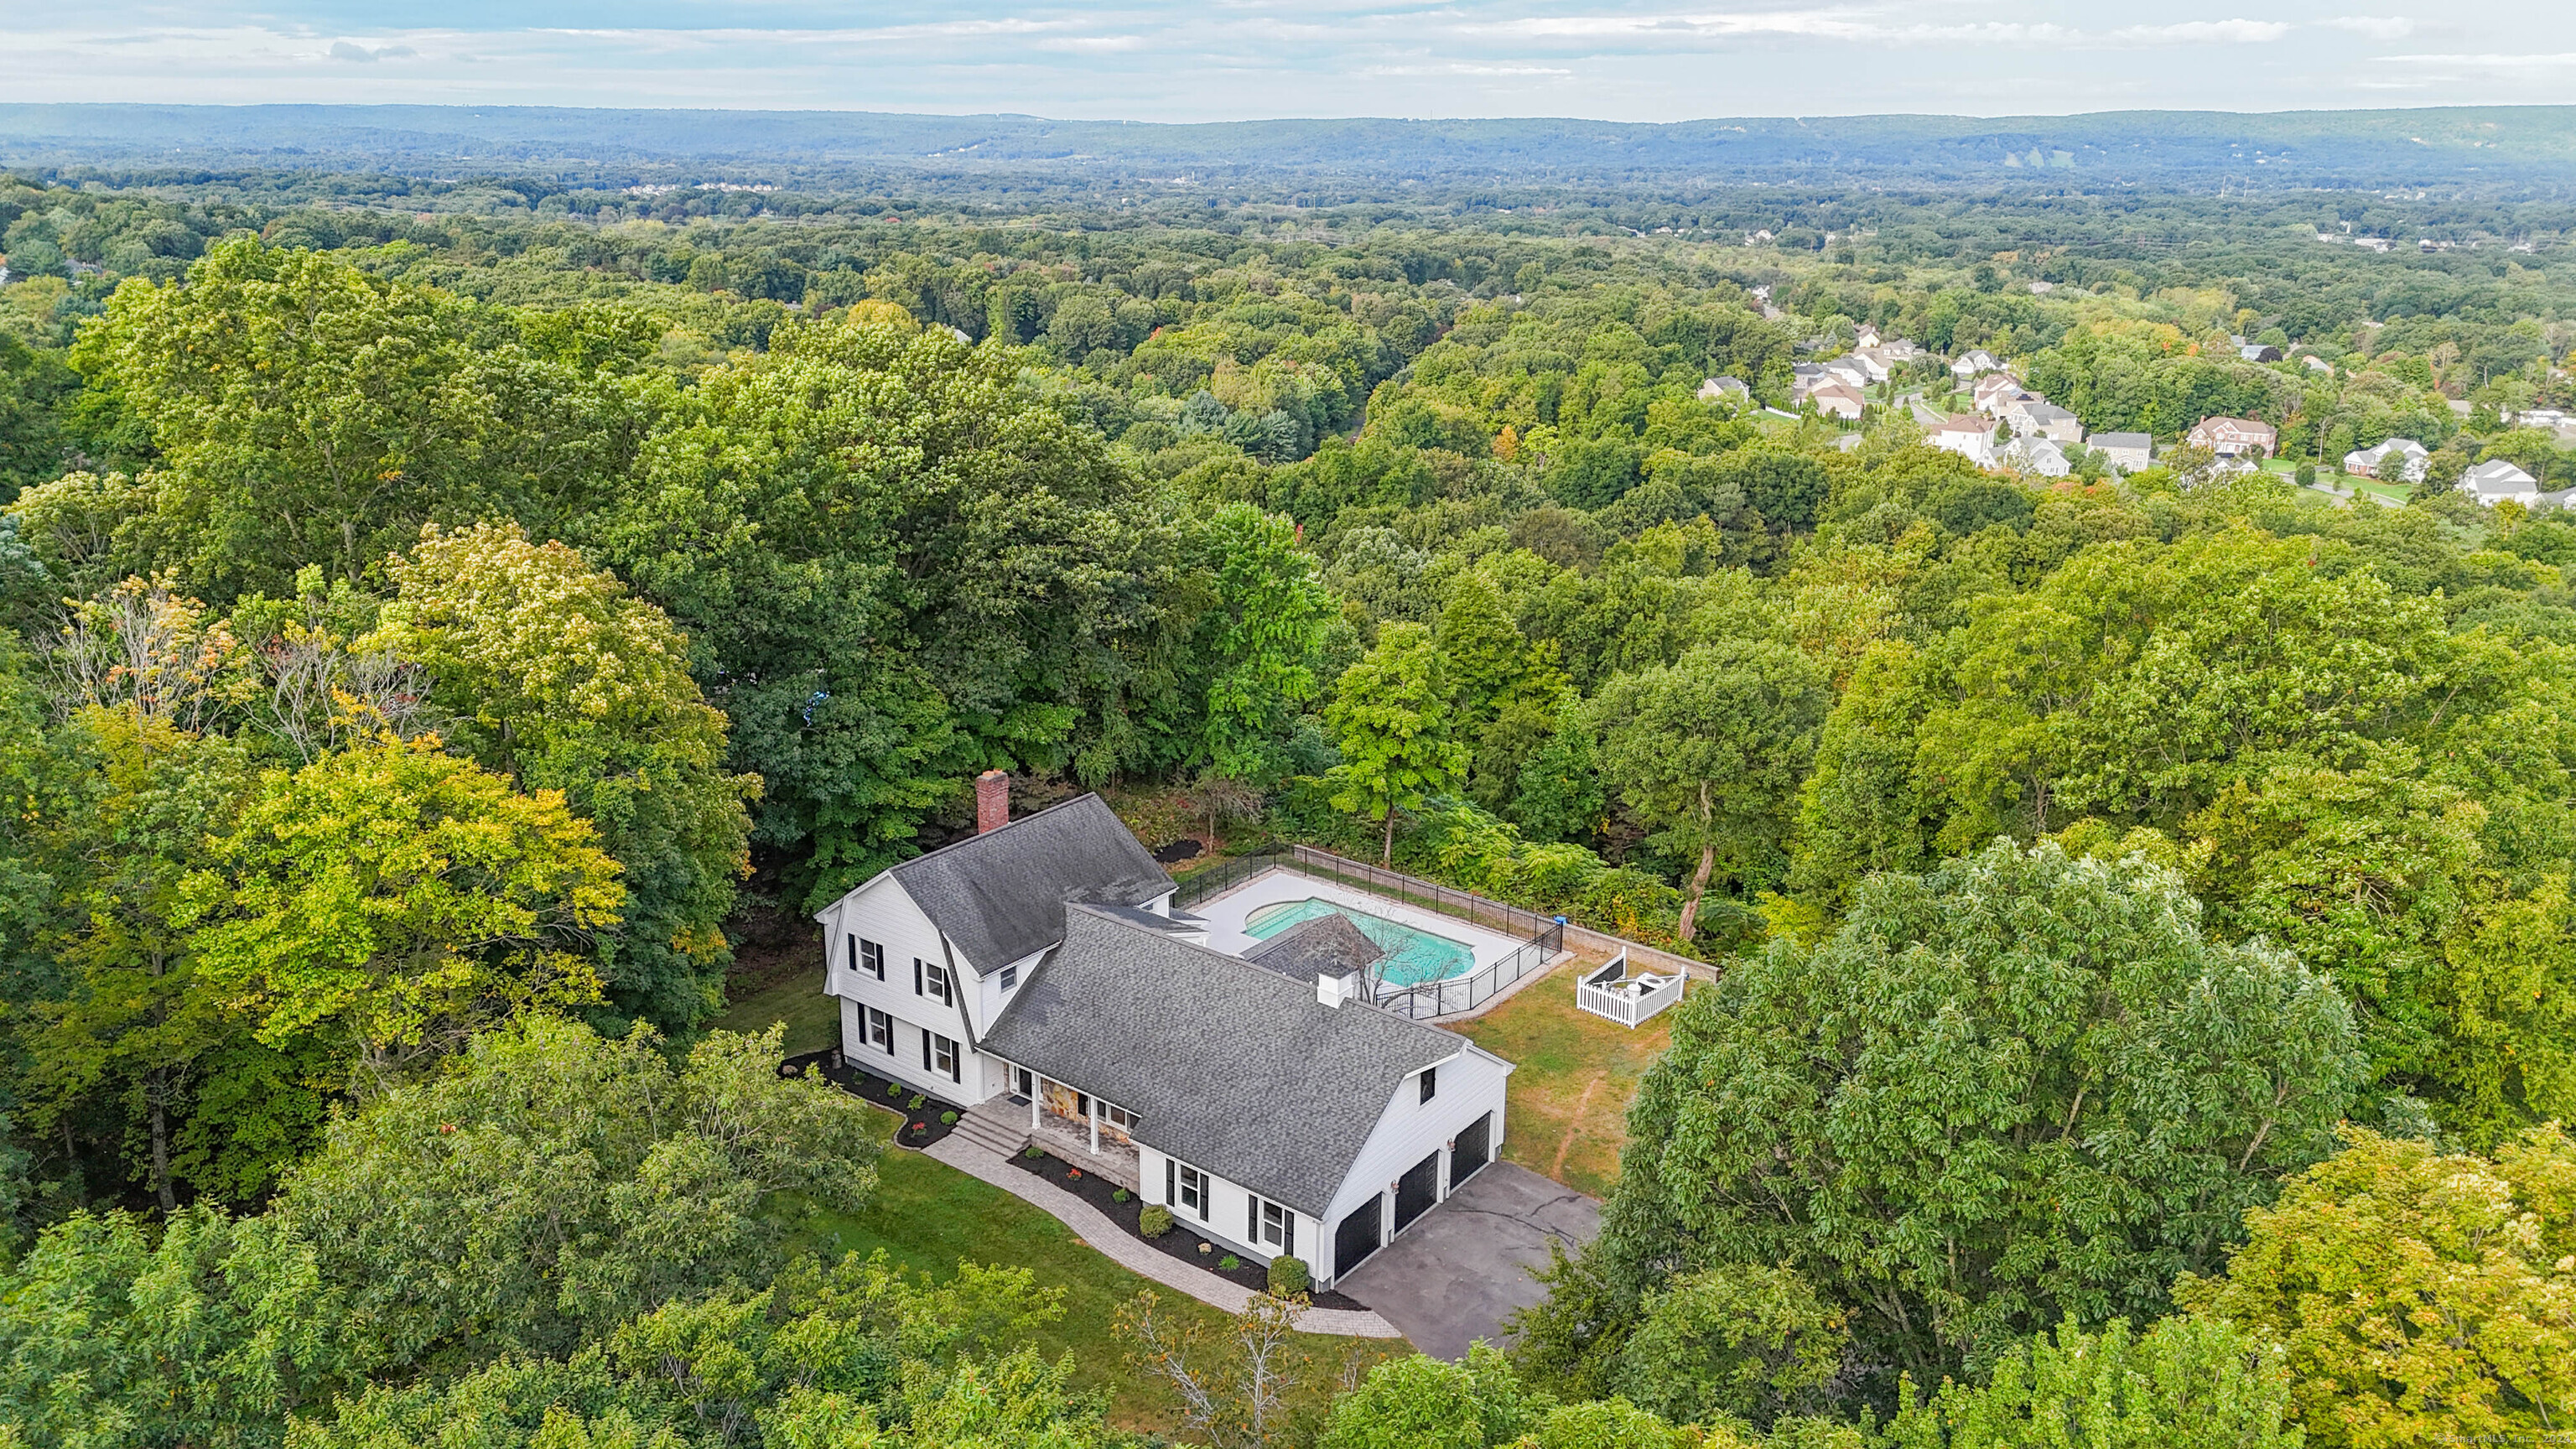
x=2008, y=426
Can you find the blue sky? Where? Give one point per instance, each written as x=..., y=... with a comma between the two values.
x=1243, y=59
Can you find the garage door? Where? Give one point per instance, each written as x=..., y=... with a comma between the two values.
x=1472, y=1150
x=1356, y=1238
x=1417, y=1190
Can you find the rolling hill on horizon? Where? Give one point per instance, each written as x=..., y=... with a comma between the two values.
x=2531, y=149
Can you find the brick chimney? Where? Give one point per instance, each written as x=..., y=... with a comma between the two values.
x=992, y=801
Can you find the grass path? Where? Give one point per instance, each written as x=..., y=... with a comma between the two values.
x=1568, y=1100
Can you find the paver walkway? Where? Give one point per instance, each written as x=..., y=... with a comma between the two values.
x=1098, y=1231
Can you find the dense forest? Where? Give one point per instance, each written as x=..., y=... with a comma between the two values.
x=428, y=626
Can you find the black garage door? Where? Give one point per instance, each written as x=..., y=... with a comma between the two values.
x=1356, y=1238
x=1473, y=1147
x=1417, y=1190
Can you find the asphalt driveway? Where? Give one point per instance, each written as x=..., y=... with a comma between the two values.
x=1452, y=1277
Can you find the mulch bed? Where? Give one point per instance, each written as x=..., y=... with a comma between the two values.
x=922, y=1124
x=1180, y=1242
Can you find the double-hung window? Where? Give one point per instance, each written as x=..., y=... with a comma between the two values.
x=1186, y=1187
x=1269, y=1225
x=880, y=1030
x=934, y=981
x=1117, y=1119
x=1010, y=978
x=939, y=1054
x=867, y=958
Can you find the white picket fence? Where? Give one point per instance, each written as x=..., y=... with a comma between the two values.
x=1607, y=992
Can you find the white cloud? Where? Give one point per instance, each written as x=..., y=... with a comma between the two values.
x=360, y=55
x=2377, y=27
x=2488, y=62
x=2193, y=32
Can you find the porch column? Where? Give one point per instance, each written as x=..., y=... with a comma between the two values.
x=1095, y=1126
x=1037, y=1093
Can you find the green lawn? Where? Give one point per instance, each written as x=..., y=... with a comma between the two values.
x=1573, y=1076
x=813, y=1019
x=930, y=1217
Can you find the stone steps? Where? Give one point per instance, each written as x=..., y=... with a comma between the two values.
x=999, y=1128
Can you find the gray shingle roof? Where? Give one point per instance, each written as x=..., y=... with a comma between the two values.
x=1327, y=945
x=1000, y=895
x=1228, y=1066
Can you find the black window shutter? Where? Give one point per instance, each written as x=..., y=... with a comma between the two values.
x=956, y=1066
x=1288, y=1233
x=1252, y=1220
x=916, y=976
x=856, y=965
x=1171, y=1196
x=925, y=1050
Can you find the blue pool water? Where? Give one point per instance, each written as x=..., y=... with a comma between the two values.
x=1412, y=956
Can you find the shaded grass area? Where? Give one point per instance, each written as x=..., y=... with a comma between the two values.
x=1568, y=1100
x=930, y=1217
x=813, y=1019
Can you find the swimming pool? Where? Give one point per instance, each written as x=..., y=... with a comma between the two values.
x=1412, y=956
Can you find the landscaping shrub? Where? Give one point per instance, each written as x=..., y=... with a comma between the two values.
x=1229, y=1262
x=1289, y=1276
x=1154, y=1221
x=915, y=1104
x=1033, y=1153
x=1118, y=1195
x=894, y=1089
x=948, y=1119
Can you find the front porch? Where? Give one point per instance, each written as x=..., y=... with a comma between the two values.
x=1078, y=1127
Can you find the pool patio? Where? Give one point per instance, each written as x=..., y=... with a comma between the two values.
x=1225, y=913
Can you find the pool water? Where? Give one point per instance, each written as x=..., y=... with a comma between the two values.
x=1412, y=956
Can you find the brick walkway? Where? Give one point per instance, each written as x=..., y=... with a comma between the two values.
x=1112, y=1240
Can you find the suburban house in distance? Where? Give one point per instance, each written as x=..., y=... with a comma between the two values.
x=1974, y=363
x=2234, y=437
x=2036, y=455
x=2399, y=460
x=1725, y=389
x=1966, y=434
x=1235, y=1066
x=2127, y=452
x=2495, y=480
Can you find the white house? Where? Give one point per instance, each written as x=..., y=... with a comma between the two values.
x=2495, y=480
x=2036, y=455
x=2047, y=420
x=1837, y=400
x=1968, y=435
x=1997, y=391
x=1973, y=364
x=1038, y=974
x=2398, y=460
x=1725, y=389
x=2127, y=452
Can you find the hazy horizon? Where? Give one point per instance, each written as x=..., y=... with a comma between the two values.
x=1263, y=60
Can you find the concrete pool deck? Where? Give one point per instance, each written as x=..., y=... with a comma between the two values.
x=1226, y=913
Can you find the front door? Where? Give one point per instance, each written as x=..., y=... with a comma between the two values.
x=1356, y=1238
x=1417, y=1190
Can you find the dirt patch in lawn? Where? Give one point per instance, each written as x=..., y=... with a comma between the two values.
x=1576, y=1074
